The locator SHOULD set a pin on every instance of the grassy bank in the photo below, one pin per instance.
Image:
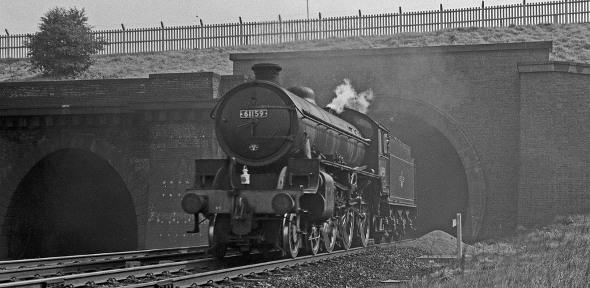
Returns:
(571, 43)
(554, 256)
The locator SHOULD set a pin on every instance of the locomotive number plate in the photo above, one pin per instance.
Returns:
(253, 113)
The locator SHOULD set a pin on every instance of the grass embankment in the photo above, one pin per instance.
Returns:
(571, 43)
(555, 256)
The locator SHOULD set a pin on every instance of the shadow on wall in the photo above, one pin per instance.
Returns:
(70, 202)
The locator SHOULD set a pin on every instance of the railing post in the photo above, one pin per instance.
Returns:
(322, 33)
(124, 42)
(201, 40)
(8, 48)
(280, 29)
(162, 36)
(440, 18)
(241, 32)
(483, 14)
(524, 16)
(358, 24)
(567, 14)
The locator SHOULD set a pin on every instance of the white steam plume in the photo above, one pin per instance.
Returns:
(347, 97)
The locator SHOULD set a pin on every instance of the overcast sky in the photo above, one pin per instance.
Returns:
(22, 16)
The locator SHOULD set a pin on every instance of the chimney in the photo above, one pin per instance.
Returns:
(267, 72)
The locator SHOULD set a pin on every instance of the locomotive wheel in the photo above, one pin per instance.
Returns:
(217, 247)
(291, 237)
(347, 229)
(313, 240)
(329, 234)
(363, 229)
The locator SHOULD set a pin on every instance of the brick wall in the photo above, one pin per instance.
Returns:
(87, 94)
(555, 141)
(151, 131)
(174, 145)
(519, 131)
(475, 88)
(183, 86)
(112, 138)
(51, 94)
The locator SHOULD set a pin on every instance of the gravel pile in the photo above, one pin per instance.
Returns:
(437, 243)
(367, 269)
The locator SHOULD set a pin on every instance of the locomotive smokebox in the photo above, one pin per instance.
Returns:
(267, 72)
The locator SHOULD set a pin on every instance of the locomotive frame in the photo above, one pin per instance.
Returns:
(317, 181)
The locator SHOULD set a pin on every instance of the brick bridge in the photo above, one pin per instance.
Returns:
(498, 132)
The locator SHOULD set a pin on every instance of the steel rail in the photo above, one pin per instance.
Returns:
(243, 271)
(11, 264)
(175, 274)
(82, 279)
(43, 267)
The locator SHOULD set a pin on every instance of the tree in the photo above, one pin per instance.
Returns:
(65, 43)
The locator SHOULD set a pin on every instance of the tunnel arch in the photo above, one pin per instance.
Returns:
(29, 155)
(70, 202)
(427, 115)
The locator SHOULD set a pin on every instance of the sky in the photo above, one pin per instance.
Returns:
(23, 16)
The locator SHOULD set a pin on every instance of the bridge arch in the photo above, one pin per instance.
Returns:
(437, 137)
(100, 168)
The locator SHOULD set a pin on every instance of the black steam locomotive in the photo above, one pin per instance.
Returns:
(298, 175)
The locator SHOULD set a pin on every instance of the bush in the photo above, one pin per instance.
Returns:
(65, 43)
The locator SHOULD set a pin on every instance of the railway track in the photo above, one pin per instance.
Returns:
(179, 274)
(245, 272)
(27, 269)
(122, 276)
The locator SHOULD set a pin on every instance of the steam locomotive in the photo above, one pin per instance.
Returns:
(299, 177)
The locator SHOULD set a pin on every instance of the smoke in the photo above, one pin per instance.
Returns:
(347, 97)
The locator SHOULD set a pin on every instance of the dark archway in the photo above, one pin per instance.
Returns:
(71, 202)
(444, 151)
(440, 179)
